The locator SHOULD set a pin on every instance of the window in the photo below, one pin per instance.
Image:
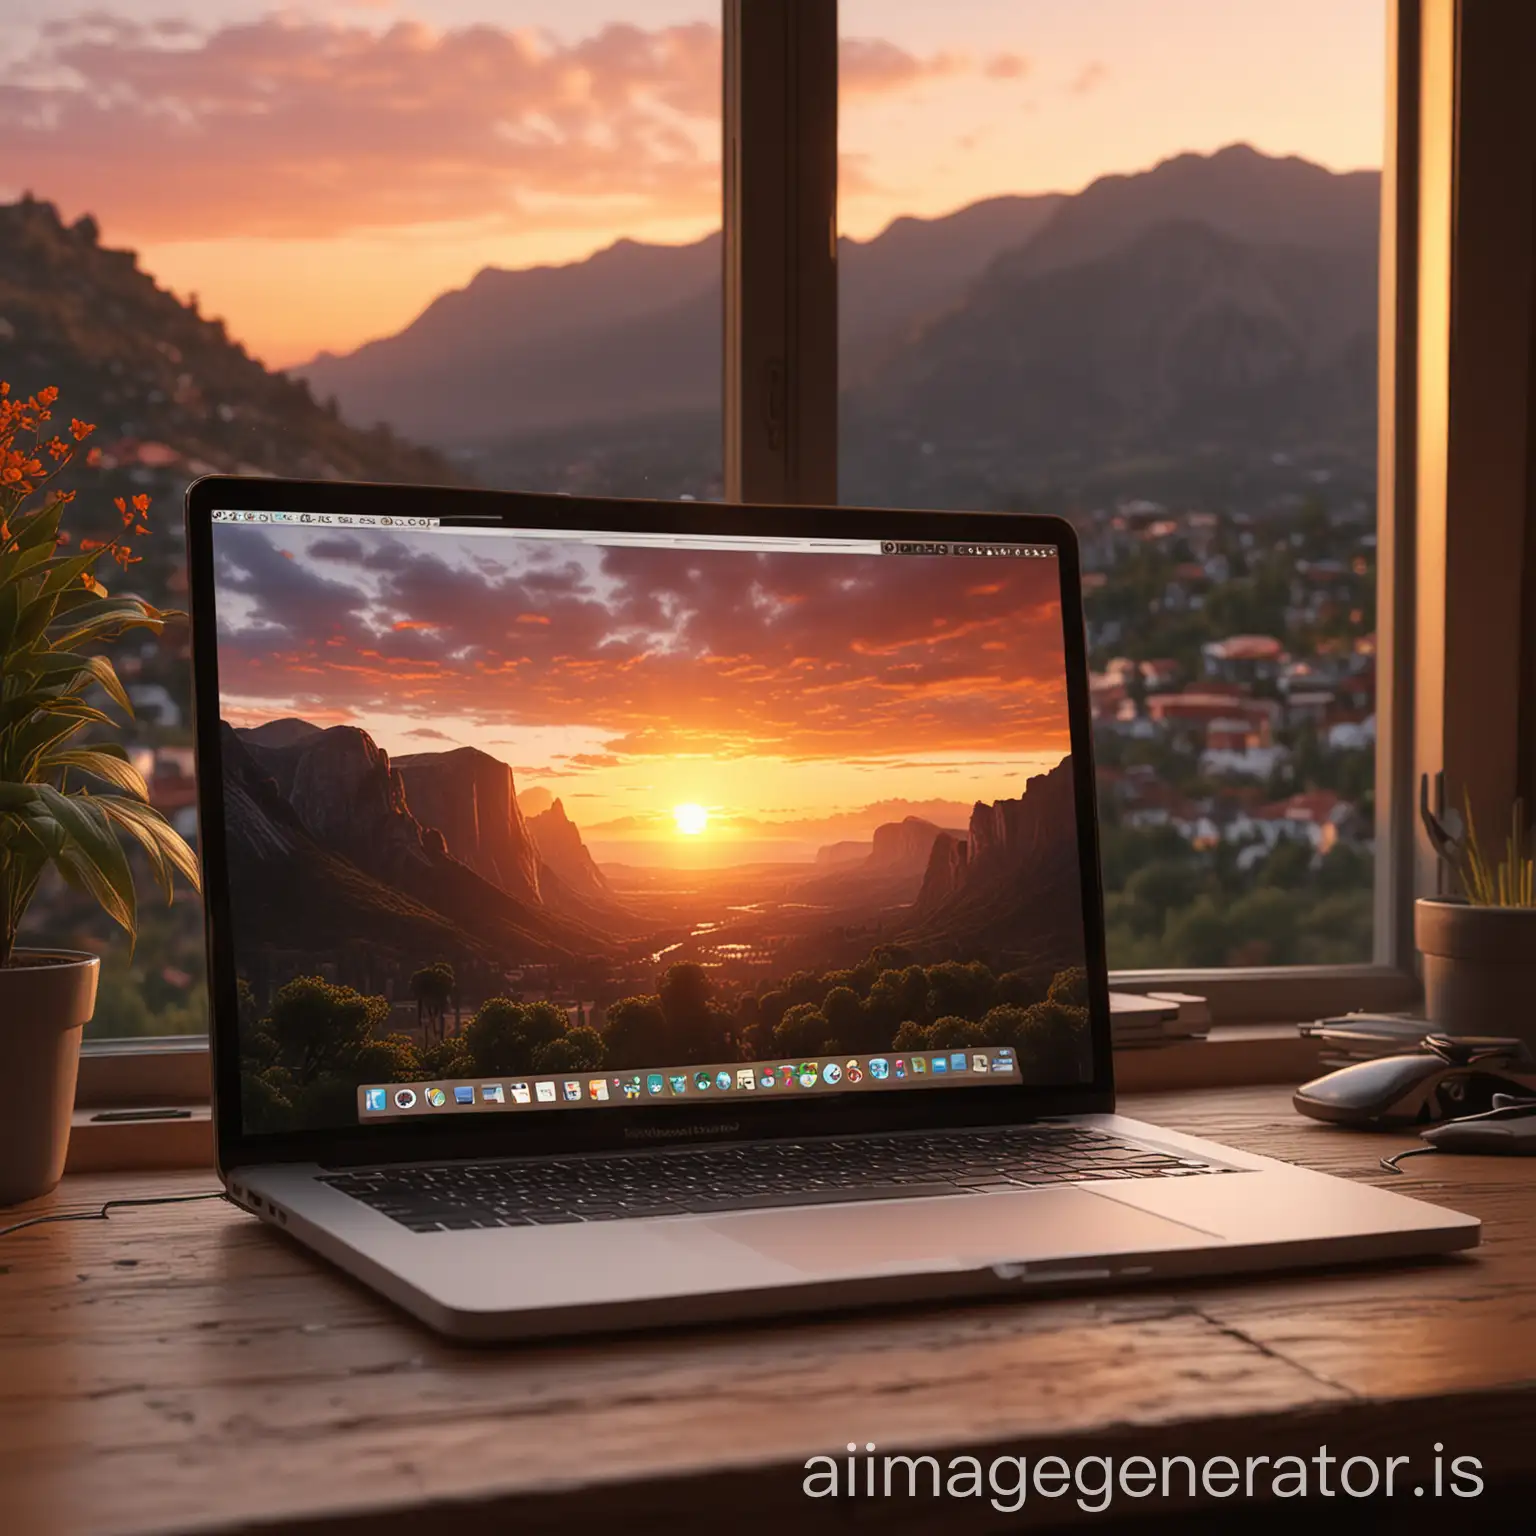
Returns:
(1118, 261)
(352, 239)
(442, 240)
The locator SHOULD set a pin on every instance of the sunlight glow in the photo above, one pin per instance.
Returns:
(691, 819)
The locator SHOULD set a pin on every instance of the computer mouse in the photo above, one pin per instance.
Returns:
(1397, 1091)
(1507, 1131)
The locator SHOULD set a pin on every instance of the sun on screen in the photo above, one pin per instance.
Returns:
(691, 819)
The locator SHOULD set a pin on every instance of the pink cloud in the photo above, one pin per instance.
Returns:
(1089, 78)
(1007, 66)
(287, 127)
(290, 127)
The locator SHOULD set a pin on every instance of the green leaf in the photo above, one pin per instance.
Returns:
(41, 529)
(104, 626)
(21, 748)
(36, 616)
(10, 611)
(71, 665)
(15, 563)
(115, 770)
(98, 858)
(16, 798)
(147, 824)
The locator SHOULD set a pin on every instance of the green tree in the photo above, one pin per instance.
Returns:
(578, 1050)
(847, 1022)
(1052, 1043)
(897, 995)
(952, 1032)
(433, 988)
(803, 1031)
(965, 990)
(503, 1036)
(317, 1027)
(636, 1034)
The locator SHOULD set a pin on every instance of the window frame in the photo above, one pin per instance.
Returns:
(1451, 268)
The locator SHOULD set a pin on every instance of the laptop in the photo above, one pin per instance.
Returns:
(627, 913)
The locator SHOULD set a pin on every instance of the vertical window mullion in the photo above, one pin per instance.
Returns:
(780, 250)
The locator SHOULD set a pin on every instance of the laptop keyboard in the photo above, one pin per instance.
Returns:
(545, 1192)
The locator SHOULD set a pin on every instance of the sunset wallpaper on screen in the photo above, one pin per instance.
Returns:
(502, 805)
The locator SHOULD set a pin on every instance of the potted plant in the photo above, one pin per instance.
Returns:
(1479, 942)
(70, 801)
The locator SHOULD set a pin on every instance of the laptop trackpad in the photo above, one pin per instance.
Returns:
(954, 1232)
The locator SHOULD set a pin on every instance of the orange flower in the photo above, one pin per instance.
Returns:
(89, 544)
(81, 429)
(141, 504)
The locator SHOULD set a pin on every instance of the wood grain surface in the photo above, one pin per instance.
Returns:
(185, 1369)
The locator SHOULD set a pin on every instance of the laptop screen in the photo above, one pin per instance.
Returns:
(524, 822)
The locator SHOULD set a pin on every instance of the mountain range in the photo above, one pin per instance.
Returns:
(333, 845)
(1216, 304)
(1011, 885)
(172, 393)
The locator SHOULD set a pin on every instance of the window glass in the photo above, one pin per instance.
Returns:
(1117, 260)
(419, 240)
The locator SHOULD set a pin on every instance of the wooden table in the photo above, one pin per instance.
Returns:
(184, 1369)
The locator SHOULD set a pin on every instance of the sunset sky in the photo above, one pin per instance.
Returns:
(791, 697)
(318, 172)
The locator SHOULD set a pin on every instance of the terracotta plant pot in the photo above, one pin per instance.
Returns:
(1479, 967)
(47, 997)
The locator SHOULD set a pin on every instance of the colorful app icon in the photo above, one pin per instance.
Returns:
(678, 1084)
(655, 1082)
(519, 1093)
(464, 1095)
(746, 1079)
(787, 1076)
(1002, 1064)
(767, 1079)
(375, 1099)
(919, 1065)
(957, 1061)
(572, 1090)
(831, 1073)
(598, 1089)
(941, 1063)
(722, 1080)
(879, 1067)
(545, 1092)
(631, 1087)
(490, 1093)
(436, 1097)
(979, 1062)
(701, 1081)
(853, 1072)
(808, 1075)
(899, 1068)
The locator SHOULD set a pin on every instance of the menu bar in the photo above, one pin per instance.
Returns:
(974, 1066)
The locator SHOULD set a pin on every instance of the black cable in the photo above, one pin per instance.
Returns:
(1390, 1163)
(111, 1205)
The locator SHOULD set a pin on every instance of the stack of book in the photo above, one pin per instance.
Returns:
(1141, 1021)
(1350, 1037)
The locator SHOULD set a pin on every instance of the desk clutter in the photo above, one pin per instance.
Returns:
(1141, 1022)
(1483, 1085)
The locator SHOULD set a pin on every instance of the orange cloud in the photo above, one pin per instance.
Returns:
(290, 127)
(740, 655)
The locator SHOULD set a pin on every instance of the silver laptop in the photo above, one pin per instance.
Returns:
(625, 913)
